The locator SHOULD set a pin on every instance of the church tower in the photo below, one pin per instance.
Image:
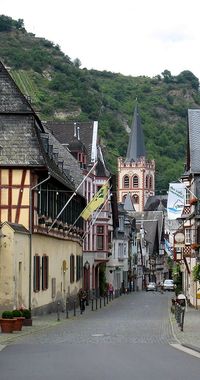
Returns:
(136, 174)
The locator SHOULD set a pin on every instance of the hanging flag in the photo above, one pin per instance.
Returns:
(176, 200)
(96, 202)
(168, 248)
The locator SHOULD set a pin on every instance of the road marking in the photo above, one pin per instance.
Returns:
(185, 349)
(97, 334)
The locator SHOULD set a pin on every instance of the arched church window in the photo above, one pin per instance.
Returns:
(126, 181)
(147, 182)
(150, 182)
(135, 199)
(124, 198)
(135, 181)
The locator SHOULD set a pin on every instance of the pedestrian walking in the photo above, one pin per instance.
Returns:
(82, 299)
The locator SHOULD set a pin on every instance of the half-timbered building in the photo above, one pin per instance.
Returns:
(40, 252)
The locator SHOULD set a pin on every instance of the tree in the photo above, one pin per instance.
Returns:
(187, 76)
(5, 23)
(77, 63)
(167, 76)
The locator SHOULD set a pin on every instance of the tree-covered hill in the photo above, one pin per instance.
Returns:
(59, 89)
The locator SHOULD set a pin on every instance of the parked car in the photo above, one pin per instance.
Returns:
(168, 285)
(151, 286)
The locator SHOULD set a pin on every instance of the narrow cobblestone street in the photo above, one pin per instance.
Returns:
(137, 317)
(131, 337)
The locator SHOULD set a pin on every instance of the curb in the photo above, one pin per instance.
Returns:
(191, 347)
(186, 345)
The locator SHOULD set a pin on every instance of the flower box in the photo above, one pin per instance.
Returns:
(7, 325)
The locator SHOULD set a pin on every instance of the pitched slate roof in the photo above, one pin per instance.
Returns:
(193, 152)
(136, 147)
(12, 101)
(17, 227)
(156, 203)
(128, 204)
(18, 141)
(68, 133)
(83, 135)
(152, 222)
(22, 141)
(65, 159)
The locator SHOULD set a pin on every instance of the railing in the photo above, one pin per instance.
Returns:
(74, 306)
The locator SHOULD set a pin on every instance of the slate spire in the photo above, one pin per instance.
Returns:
(136, 147)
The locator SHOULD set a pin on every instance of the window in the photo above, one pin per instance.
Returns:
(135, 181)
(187, 236)
(72, 268)
(187, 197)
(126, 181)
(121, 251)
(150, 182)
(198, 234)
(100, 237)
(135, 199)
(36, 274)
(124, 198)
(147, 181)
(121, 224)
(45, 272)
(78, 267)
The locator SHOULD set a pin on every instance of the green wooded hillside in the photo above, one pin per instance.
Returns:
(60, 89)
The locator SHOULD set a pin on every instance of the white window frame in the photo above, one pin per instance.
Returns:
(187, 236)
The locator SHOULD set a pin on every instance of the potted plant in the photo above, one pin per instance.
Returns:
(17, 314)
(195, 245)
(193, 201)
(7, 322)
(26, 313)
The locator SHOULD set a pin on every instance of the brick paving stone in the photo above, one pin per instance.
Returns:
(139, 317)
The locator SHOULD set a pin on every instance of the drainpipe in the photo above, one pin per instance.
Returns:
(30, 233)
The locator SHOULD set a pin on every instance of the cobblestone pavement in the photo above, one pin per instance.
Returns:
(134, 318)
(190, 336)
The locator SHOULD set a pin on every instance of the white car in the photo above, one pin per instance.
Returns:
(151, 286)
(168, 285)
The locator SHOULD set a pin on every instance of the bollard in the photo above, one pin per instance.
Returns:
(107, 298)
(58, 311)
(74, 308)
(104, 300)
(100, 302)
(96, 303)
(182, 318)
(92, 305)
(67, 309)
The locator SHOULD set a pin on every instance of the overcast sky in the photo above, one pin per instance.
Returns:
(133, 37)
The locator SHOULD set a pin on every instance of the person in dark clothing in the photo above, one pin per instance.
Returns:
(82, 299)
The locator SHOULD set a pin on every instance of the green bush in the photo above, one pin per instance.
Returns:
(26, 313)
(16, 313)
(196, 272)
(7, 314)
